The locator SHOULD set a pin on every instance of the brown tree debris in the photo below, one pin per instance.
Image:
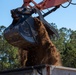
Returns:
(44, 53)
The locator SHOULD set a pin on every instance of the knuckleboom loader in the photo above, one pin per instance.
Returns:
(22, 30)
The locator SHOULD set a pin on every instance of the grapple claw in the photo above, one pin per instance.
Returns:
(22, 34)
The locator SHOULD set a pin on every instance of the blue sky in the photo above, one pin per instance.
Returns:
(63, 17)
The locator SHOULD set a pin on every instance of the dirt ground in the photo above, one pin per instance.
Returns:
(44, 53)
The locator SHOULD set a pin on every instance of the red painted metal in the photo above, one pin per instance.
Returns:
(51, 3)
(45, 3)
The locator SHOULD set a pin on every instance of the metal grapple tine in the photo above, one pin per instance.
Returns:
(50, 29)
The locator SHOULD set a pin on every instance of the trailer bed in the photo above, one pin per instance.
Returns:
(41, 70)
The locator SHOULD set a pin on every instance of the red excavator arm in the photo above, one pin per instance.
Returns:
(45, 3)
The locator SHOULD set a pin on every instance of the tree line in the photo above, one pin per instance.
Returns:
(66, 44)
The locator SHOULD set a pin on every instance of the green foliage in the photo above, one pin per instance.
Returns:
(66, 44)
(8, 53)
